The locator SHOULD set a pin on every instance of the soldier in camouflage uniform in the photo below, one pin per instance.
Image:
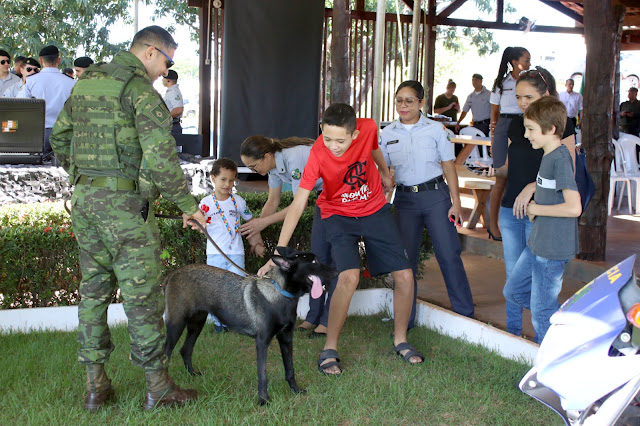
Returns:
(113, 138)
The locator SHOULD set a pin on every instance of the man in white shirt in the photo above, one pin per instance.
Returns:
(7, 78)
(572, 100)
(173, 99)
(478, 103)
(52, 86)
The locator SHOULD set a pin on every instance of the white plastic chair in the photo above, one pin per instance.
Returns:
(627, 146)
(617, 175)
(474, 157)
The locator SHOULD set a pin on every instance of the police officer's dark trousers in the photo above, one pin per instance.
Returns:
(429, 208)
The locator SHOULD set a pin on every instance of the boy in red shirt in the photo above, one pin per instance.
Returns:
(353, 205)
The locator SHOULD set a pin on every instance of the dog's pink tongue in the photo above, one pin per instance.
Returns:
(316, 288)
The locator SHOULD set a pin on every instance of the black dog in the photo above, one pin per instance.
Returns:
(257, 307)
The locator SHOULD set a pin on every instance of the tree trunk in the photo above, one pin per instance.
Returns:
(340, 87)
(603, 23)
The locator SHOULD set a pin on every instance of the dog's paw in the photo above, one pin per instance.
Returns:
(263, 401)
(298, 390)
(194, 372)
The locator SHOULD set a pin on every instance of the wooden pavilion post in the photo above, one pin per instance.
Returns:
(430, 54)
(603, 23)
(415, 40)
(376, 93)
(340, 74)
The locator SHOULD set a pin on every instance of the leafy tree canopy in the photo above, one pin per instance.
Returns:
(179, 12)
(79, 27)
(30, 25)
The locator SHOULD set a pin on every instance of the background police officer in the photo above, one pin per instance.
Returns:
(53, 87)
(122, 157)
(173, 99)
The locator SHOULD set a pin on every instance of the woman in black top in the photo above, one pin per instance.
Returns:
(521, 171)
(447, 103)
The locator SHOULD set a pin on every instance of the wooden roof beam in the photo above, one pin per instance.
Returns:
(507, 26)
(564, 10)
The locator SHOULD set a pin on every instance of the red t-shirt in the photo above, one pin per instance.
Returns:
(351, 183)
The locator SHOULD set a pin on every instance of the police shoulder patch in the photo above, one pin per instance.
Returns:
(296, 174)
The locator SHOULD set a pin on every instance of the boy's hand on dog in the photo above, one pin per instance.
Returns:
(266, 268)
(198, 216)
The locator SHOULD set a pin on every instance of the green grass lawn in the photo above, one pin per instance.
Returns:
(459, 384)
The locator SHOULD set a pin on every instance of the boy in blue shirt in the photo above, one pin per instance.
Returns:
(536, 279)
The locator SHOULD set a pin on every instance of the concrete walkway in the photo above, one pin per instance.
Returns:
(483, 263)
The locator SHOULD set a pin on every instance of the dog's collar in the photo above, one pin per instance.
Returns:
(285, 293)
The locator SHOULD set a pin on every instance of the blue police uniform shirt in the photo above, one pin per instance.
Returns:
(9, 82)
(506, 99)
(13, 91)
(173, 99)
(478, 103)
(52, 86)
(290, 164)
(416, 154)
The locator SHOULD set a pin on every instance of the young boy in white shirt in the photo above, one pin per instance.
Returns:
(223, 211)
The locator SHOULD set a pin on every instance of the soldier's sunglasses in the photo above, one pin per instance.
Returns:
(29, 69)
(5, 61)
(169, 60)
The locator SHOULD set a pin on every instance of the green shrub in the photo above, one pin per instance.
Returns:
(39, 254)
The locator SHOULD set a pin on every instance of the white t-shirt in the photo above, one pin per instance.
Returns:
(230, 243)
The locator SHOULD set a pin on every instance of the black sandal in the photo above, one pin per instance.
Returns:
(325, 355)
(410, 353)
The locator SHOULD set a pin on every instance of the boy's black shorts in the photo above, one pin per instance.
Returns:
(385, 252)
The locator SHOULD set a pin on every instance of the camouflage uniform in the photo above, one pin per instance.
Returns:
(113, 138)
